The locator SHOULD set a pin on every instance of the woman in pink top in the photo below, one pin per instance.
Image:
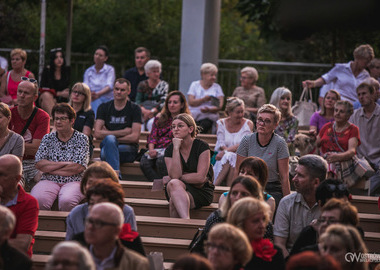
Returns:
(11, 79)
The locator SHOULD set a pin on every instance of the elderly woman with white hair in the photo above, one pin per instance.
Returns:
(206, 98)
(252, 95)
(288, 126)
(70, 255)
(151, 93)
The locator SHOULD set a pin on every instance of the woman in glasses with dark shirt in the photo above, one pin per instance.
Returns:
(55, 81)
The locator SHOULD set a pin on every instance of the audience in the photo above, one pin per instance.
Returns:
(63, 156)
(151, 93)
(70, 255)
(326, 114)
(10, 142)
(10, 257)
(271, 148)
(339, 139)
(367, 119)
(206, 98)
(228, 247)
(252, 95)
(55, 81)
(23, 205)
(189, 183)
(152, 163)
(11, 79)
(80, 100)
(100, 78)
(288, 126)
(252, 216)
(347, 77)
(32, 124)
(298, 209)
(374, 68)
(376, 95)
(230, 130)
(137, 74)
(339, 240)
(103, 226)
(118, 125)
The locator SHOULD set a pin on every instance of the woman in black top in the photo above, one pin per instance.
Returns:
(80, 100)
(189, 184)
(55, 81)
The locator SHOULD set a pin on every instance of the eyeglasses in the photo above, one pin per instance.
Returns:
(98, 224)
(78, 93)
(222, 249)
(63, 118)
(265, 122)
(340, 187)
(173, 127)
(29, 79)
(328, 221)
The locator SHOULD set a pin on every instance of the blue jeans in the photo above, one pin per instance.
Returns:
(115, 153)
(96, 103)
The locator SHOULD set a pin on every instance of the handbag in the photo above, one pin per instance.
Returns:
(304, 108)
(353, 170)
(197, 244)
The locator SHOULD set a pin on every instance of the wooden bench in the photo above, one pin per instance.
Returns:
(170, 247)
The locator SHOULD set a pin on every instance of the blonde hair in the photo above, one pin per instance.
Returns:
(251, 72)
(208, 68)
(80, 86)
(189, 121)
(323, 109)
(21, 52)
(4, 109)
(364, 51)
(232, 103)
(235, 238)
(269, 108)
(246, 207)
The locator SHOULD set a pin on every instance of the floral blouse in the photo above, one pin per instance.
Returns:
(161, 137)
(288, 129)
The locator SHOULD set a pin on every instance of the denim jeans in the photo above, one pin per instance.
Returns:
(153, 168)
(115, 153)
(96, 103)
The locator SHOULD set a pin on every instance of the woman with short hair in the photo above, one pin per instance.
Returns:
(151, 93)
(206, 98)
(62, 156)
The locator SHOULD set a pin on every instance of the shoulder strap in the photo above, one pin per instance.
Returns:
(336, 139)
(29, 121)
(6, 88)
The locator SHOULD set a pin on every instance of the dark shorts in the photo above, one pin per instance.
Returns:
(202, 196)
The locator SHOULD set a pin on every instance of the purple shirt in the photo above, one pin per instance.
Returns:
(319, 121)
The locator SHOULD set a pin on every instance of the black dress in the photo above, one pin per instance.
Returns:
(48, 81)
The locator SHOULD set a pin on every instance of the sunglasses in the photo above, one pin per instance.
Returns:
(29, 79)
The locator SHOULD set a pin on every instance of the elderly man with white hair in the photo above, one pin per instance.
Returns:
(70, 255)
(103, 225)
(10, 258)
(23, 205)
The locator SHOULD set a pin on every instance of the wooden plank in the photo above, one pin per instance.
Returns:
(366, 204)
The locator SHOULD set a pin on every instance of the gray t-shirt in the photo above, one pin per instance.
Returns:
(270, 153)
(14, 145)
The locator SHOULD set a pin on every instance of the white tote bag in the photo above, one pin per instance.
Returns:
(304, 108)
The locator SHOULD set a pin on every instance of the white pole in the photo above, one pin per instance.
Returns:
(42, 39)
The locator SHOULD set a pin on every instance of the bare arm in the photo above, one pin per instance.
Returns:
(196, 102)
(48, 166)
(281, 243)
(31, 148)
(3, 85)
(100, 131)
(133, 136)
(283, 168)
(174, 164)
(312, 84)
(21, 242)
(239, 160)
(64, 168)
(336, 157)
(70, 169)
(200, 176)
(87, 131)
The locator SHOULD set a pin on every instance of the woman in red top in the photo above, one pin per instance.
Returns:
(11, 79)
(339, 139)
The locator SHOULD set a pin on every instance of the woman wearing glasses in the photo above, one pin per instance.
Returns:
(62, 156)
(11, 79)
(270, 147)
(80, 100)
(55, 81)
(189, 183)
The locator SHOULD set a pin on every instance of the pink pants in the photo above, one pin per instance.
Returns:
(46, 192)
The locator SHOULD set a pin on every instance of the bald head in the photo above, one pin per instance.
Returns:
(12, 163)
(110, 211)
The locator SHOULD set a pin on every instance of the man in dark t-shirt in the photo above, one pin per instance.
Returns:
(137, 74)
(118, 125)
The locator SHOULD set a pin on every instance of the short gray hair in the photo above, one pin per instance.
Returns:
(315, 165)
(86, 261)
(8, 220)
(232, 103)
(347, 104)
(208, 68)
(152, 64)
(269, 108)
(251, 72)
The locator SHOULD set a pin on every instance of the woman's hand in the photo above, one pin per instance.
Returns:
(219, 155)
(152, 153)
(332, 157)
(205, 109)
(206, 98)
(94, 96)
(177, 143)
(166, 179)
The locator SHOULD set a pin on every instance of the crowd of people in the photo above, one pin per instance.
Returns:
(260, 223)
